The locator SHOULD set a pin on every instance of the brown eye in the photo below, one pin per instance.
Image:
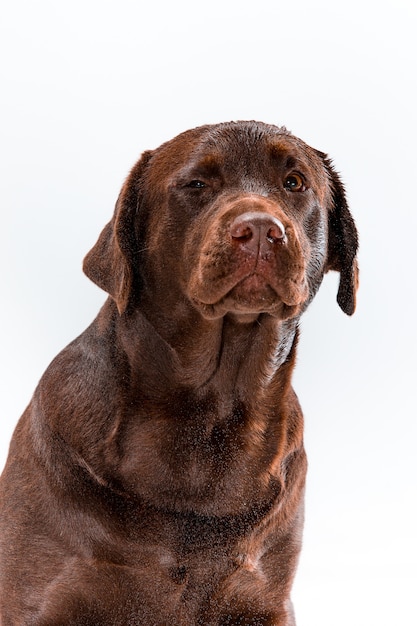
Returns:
(196, 184)
(294, 182)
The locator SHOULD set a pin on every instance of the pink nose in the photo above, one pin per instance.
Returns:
(257, 230)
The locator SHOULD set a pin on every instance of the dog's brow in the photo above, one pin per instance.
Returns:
(210, 160)
(279, 148)
(209, 163)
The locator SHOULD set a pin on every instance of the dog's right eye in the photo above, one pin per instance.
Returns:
(196, 184)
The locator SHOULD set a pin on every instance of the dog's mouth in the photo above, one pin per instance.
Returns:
(253, 295)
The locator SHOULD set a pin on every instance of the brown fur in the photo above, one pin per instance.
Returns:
(157, 476)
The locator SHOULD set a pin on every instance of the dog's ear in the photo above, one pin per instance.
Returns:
(111, 263)
(342, 242)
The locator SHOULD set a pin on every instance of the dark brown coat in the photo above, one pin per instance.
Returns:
(157, 476)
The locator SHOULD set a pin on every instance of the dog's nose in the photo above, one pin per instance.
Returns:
(256, 230)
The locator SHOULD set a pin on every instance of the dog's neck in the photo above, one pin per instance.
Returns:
(225, 355)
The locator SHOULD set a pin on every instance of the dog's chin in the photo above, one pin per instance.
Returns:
(247, 300)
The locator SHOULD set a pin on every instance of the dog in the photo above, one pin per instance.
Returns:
(157, 476)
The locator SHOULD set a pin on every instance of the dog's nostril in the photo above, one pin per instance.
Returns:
(241, 230)
(276, 233)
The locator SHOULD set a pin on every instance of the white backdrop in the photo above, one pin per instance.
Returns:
(86, 86)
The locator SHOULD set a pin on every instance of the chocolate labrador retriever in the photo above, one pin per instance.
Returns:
(157, 476)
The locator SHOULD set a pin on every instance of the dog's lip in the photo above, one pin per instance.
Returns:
(253, 289)
(260, 295)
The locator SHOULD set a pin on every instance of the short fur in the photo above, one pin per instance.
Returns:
(157, 476)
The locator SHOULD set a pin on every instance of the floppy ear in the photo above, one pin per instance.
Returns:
(342, 243)
(111, 263)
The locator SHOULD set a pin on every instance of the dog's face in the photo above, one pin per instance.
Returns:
(240, 218)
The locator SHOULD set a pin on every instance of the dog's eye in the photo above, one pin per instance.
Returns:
(294, 182)
(196, 184)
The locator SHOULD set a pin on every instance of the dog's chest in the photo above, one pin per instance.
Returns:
(189, 561)
(193, 456)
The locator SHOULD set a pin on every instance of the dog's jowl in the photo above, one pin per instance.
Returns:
(157, 476)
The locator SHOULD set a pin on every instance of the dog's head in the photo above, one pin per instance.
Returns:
(239, 218)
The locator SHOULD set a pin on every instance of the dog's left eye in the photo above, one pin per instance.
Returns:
(196, 184)
(294, 182)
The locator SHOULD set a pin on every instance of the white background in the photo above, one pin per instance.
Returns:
(86, 86)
